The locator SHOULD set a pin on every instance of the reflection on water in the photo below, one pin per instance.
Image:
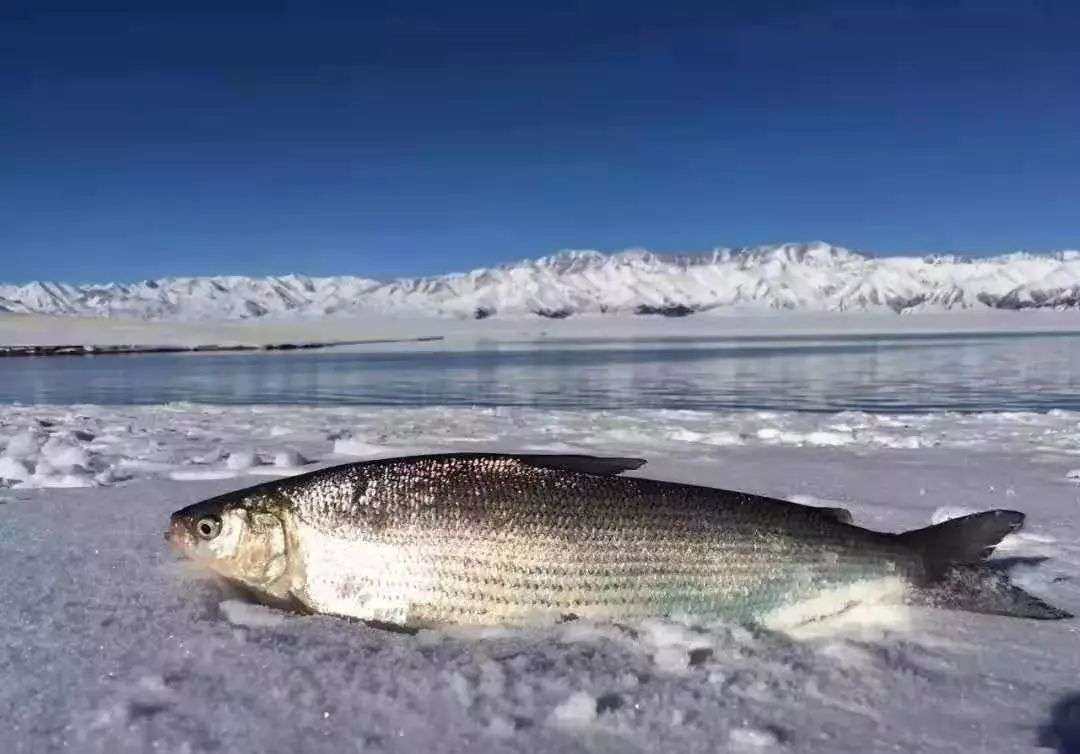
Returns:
(869, 373)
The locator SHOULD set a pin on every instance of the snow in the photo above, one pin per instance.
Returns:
(752, 738)
(241, 460)
(351, 446)
(241, 613)
(112, 645)
(792, 276)
(738, 327)
(288, 458)
(578, 711)
(44, 446)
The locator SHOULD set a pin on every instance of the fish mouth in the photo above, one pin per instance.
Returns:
(178, 537)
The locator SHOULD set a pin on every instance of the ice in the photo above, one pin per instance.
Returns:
(183, 475)
(111, 646)
(241, 460)
(69, 479)
(199, 442)
(578, 711)
(707, 438)
(350, 446)
(241, 613)
(22, 445)
(289, 458)
(12, 469)
(752, 738)
(63, 455)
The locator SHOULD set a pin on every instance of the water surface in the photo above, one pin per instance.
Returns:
(871, 373)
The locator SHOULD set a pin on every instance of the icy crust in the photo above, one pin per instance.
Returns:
(83, 446)
(111, 645)
(803, 276)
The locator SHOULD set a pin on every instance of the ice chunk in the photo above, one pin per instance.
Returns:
(64, 455)
(826, 438)
(577, 711)
(13, 469)
(52, 479)
(22, 446)
(288, 458)
(752, 738)
(350, 446)
(499, 727)
(240, 460)
(241, 613)
(212, 456)
(202, 474)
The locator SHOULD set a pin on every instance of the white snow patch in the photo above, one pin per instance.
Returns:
(194, 442)
(577, 711)
(752, 738)
(13, 469)
(350, 446)
(191, 475)
(22, 445)
(289, 458)
(241, 613)
(242, 460)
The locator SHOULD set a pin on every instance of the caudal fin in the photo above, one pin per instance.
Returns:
(957, 578)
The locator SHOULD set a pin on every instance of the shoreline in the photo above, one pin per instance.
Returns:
(36, 335)
(126, 350)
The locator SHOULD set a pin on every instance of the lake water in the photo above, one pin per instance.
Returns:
(881, 374)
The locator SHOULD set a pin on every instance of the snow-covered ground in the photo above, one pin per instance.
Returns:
(111, 645)
(793, 276)
(46, 330)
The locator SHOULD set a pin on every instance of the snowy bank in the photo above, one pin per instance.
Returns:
(111, 645)
(45, 330)
(65, 446)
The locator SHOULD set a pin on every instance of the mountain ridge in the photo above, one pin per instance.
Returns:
(814, 276)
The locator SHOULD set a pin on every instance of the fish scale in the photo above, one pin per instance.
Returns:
(499, 539)
(516, 539)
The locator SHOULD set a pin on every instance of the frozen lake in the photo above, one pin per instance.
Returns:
(868, 373)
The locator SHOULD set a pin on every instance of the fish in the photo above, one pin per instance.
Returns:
(526, 539)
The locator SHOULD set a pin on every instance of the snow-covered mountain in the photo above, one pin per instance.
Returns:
(796, 276)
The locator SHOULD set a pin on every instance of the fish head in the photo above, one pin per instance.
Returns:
(240, 536)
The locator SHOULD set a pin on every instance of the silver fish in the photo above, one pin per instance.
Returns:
(477, 538)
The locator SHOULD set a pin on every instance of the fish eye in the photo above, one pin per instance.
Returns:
(208, 527)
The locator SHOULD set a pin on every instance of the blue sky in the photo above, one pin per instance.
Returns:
(403, 138)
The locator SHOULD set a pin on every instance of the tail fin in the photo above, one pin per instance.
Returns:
(956, 576)
(968, 539)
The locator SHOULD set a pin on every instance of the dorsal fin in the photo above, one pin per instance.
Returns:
(599, 465)
(843, 515)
